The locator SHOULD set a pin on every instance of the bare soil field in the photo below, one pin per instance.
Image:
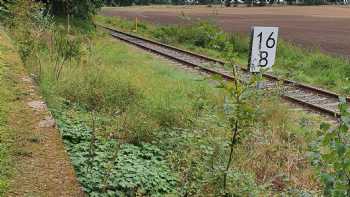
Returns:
(323, 27)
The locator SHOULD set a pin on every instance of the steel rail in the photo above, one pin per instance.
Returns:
(318, 99)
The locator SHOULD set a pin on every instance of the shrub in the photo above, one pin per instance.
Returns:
(29, 27)
(80, 9)
(330, 155)
(201, 34)
(241, 107)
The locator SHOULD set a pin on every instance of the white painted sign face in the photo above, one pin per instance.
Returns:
(263, 51)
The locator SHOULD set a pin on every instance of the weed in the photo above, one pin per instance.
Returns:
(152, 103)
(330, 154)
(29, 25)
(66, 49)
(131, 170)
(155, 130)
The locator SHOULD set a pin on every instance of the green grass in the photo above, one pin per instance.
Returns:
(135, 125)
(140, 100)
(4, 157)
(6, 98)
(150, 98)
(308, 66)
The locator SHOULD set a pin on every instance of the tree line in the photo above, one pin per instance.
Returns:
(78, 8)
(149, 2)
(86, 8)
(226, 3)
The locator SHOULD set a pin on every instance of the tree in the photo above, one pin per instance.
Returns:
(77, 8)
(109, 2)
(178, 2)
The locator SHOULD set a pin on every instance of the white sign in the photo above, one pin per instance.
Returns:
(263, 48)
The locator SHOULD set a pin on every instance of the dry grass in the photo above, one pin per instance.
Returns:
(276, 151)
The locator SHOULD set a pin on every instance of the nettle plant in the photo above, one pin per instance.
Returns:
(330, 154)
(241, 108)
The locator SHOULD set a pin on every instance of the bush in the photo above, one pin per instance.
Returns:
(330, 155)
(83, 9)
(201, 34)
(30, 27)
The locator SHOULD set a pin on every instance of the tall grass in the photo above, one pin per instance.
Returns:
(120, 81)
(139, 99)
(205, 37)
(134, 125)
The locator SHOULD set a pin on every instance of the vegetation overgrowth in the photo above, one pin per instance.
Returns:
(205, 37)
(8, 106)
(330, 155)
(136, 126)
(157, 118)
(5, 99)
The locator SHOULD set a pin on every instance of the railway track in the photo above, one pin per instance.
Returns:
(323, 101)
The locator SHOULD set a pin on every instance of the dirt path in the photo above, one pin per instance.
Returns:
(42, 167)
(324, 27)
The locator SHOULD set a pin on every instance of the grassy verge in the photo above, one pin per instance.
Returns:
(292, 62)
(7, 103)
(136, 126)
(122, 112)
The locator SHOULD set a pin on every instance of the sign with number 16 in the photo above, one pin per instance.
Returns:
(263, 48)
